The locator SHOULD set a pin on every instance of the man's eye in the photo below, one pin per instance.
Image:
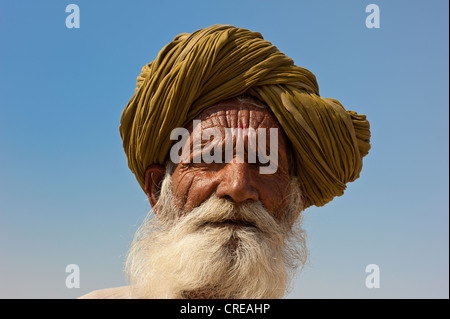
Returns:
(261, 164)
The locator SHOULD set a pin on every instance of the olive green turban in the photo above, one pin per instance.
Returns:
(197, 70)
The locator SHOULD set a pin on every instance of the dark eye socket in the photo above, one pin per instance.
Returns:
(197, 160)
(260, 164)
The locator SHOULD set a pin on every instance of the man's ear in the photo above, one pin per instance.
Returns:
(153, 179)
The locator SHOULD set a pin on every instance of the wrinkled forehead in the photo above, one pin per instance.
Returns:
(238, 113)
(245, 127)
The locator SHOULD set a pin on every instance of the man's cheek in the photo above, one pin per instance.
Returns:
(189, 191)
(180, 189)
(275, 198)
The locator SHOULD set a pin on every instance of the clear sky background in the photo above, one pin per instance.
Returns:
(68, 197)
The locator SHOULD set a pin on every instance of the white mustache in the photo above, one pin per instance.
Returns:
(216, 212)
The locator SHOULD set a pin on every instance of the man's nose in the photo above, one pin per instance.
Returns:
(236, 183)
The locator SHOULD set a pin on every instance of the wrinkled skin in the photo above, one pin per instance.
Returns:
(193, 183)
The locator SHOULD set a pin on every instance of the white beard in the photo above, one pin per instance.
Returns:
(197, 255)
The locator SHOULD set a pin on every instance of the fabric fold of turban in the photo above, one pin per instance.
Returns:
(197, 70)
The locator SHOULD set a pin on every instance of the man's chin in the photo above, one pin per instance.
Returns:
(234, 259)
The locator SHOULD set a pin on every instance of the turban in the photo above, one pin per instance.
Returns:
(197, 70)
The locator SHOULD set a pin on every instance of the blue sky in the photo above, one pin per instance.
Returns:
(68, 197)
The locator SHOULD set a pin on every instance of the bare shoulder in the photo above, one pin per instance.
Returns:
(123, 292)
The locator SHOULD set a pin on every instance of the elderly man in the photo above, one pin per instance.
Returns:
(227, 216)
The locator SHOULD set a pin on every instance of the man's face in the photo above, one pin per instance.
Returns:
(223, 229)
(237, 181)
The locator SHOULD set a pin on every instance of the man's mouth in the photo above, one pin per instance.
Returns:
(230, 223)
